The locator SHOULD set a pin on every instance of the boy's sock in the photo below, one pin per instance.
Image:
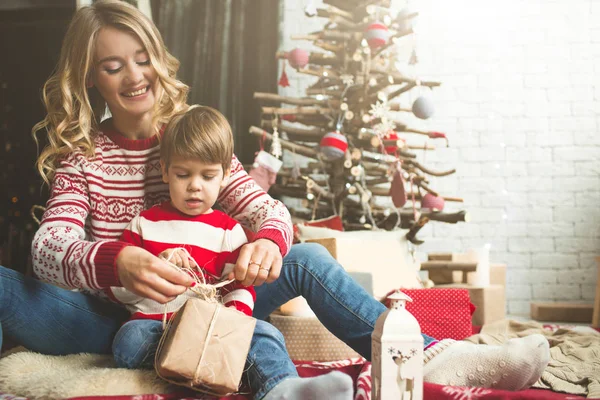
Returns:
(514, 365)
(332, 386)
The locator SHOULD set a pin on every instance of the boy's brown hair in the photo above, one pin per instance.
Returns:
(199, 132)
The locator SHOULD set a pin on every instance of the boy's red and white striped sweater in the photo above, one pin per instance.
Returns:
(213, 240)
(93, 199)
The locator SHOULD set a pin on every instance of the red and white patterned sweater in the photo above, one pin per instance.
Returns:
(213, 240)
(93, 200)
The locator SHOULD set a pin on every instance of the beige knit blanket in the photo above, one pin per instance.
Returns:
(574, 355)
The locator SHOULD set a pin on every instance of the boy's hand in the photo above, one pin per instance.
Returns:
(259, 262)
(178, 257)
(146, 275)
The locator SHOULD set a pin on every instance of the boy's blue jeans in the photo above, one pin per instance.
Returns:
(51, 320)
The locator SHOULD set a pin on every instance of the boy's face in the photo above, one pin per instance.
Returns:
(194, 185)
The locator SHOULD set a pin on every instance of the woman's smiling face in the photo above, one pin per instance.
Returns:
(123, 73)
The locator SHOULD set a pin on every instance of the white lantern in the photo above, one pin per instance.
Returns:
(397, 353)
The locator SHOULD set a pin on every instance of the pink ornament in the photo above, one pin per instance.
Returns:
(298, 58)
(377, 35)
(434, 203)
(333, 145)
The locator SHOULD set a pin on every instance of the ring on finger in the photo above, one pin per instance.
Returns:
(254, 263)
(264, 269)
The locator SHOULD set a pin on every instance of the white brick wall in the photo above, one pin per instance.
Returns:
(520, 102)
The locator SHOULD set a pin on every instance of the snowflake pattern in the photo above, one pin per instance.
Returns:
(465, 393)
(347, 79)
(384, 128)
(68, 247)
(380, 109)
(395, 353)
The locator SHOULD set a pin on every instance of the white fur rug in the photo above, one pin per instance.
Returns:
(39, 376)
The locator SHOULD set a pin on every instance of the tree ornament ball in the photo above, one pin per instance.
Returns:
(333, 146)
(423, 107)
(404, 22)
(298, 58)
(393, 148)
(377, 35)
(432, 202)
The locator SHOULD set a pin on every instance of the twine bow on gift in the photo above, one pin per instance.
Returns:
(203, 290)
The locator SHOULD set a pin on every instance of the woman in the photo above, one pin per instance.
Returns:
(103, 173)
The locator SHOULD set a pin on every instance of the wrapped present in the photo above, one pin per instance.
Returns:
(385, 255)
(442, 313)
(204, 347)
(489, 302)
(306, 339)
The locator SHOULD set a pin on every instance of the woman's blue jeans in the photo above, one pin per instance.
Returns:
(50, 320)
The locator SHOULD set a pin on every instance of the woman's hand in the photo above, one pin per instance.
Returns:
(179, 257)
(259, 262)
(146, 275)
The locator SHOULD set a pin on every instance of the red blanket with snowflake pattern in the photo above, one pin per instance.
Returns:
(360, 371)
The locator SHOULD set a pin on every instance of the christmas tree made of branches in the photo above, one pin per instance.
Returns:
(350, 126)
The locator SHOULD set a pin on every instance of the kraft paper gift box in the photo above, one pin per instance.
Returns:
(306, 339)
(444, 276)
(383, 254)
(205, 347)
(490, 302)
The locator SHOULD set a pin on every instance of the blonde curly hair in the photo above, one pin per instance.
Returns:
(74, 111)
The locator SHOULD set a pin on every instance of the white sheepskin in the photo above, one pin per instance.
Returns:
(44, 377)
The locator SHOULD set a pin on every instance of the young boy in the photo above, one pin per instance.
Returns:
(195, 153)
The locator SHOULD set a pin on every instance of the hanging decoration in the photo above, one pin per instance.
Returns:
(433, 202)
(333, 145)
(393, 148)
(414, 58)
(381, 111)
(376, 35)
(276, 144)
(397, 189)
(265, 167)
(404, 19)
(423, 107)
(298, 58)
(283, 79)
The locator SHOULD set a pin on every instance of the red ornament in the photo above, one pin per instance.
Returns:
(333, 145)
(298, 58)
(397, 189)
(434, 203)
(393, 148)
(377, 35)
(439, 135)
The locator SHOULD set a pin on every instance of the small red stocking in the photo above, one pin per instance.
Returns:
(264, 170)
